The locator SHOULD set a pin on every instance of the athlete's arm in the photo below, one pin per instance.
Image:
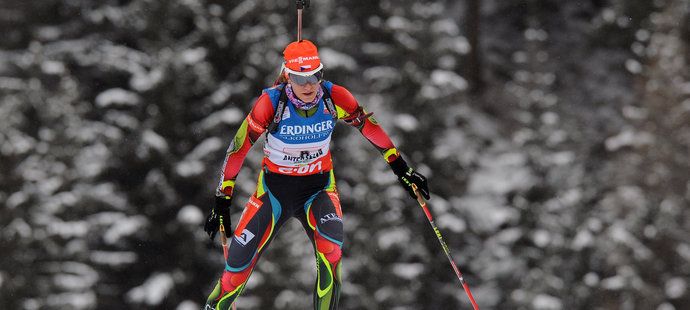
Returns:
(352, 113)
(249, 132)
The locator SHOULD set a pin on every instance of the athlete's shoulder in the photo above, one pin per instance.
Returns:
(343, 98)
(262, 112)
(273, 92)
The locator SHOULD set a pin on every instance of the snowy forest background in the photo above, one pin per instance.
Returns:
(557, 151)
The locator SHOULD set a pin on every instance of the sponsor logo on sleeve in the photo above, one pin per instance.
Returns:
(330, 217)
(244, 237)
(254, 202)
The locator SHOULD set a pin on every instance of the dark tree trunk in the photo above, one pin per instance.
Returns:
(474, 63)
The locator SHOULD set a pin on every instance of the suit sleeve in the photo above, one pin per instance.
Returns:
(355, 115)
(249, 132)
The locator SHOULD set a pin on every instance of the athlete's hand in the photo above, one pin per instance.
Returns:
(219, 214)
(408, 176)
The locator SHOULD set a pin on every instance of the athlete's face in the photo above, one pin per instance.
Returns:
(306, 92)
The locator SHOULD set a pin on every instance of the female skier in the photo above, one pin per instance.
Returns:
(297, 177)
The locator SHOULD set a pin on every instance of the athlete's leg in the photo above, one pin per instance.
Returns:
(260, 220)
(324, 226)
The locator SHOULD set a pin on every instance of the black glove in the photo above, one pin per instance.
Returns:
(408, 176)
(219, 214)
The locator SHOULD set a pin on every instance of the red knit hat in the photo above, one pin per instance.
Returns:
(302, 58)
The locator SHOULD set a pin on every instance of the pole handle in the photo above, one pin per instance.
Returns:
(223, 237)
(302, 4)
(224, 240)
(422, 202)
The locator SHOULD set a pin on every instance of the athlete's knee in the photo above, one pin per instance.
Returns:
(329, 249)
(232, 280)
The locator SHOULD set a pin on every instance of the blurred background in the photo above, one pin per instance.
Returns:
(555, 135)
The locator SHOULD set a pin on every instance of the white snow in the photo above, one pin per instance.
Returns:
(620, 233)
(546, 302)
(155, 141)
(392, 236)
(455, 146)
(408, 271)
(231, 116)
(406, 40)
(190, 215)
(19, 227)
(502, 173)
(684, 251)
(633, 66)
(630, 138)
(335, 32)
(124, 227)
(143, 80)
(222, 93)
(241, 10)
(675, 287)
(560, 158)
(9, 83)
(615, 283)
(451, 222)
(378, 49)
(52, 67)
(67, 230)
(73, 275)
(508, 236)
(446, 26)
(532, 34)
(113, 258)
(117, 96)
(541, 238)
(207, 147)
(284, 299)
(153, 291)
(406, 122)
(487, 213)
(582, 239)
(121, 119)
(188, 305)
(105, 192)
(193, 55)
(335, 59)
(16, 199)
(72, 300)
(457, 45)
(591, 279)
(18, 143)
(448, 80)
(92, 160)
(398, 23)
(381, 77)
(666, 306)
(189, 168)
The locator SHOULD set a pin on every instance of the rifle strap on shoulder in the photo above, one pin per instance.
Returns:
(280, 108)
(329, 102)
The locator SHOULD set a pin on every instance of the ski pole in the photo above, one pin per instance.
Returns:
(301, 4)
(425, 207)
(224, 243)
